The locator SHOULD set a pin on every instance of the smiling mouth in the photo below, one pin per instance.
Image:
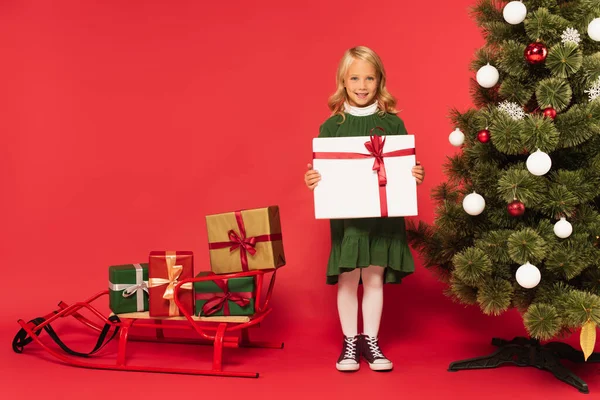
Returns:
(362, 95)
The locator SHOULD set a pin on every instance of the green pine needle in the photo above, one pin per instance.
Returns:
(565, 260)
(516, 91)
(564, 60)
(579, 306)
(456, 168)
(494, 296)
(539, 133)
(591, 68)
(575, 126)
(494, 244)
(578, 187)
(445, 192)
(591, 281)
(512, 61)
(553, 92)
(471, 265)
(543, 25)
(526, 246)
(483, 56)
(461, 292)
(542, 321)
(506, 133)
(517, 182)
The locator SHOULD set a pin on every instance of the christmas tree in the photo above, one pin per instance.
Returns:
(517, 222)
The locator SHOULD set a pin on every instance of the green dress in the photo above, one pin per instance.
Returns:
(358, 243)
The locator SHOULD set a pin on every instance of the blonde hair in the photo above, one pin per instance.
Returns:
(385, 101)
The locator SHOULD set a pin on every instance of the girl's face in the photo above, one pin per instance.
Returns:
(361, 83)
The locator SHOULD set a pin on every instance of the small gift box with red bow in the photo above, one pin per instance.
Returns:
(165, 270)
(365, 177)
(220, 297)
(245, 240)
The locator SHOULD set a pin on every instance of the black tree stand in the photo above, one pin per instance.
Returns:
(526, 352)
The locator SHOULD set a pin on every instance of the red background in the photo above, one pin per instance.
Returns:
(124, 123)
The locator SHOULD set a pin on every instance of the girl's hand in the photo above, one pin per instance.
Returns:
(418, 172)
(311, 177)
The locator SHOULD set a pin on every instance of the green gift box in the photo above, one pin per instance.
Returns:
(234, 296)
(128, 288)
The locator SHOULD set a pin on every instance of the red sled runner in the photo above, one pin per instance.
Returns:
(211, 330)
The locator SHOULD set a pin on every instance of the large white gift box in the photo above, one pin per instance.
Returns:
(363, 177)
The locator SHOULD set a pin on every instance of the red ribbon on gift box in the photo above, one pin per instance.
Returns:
(245, 244)
(375, 147)
(217, 301)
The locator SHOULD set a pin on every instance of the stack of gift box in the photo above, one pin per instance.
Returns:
(239, 241)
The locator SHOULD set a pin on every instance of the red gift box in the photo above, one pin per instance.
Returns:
(165, 270)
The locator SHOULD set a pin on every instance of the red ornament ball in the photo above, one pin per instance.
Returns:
(483, 136)
(516, 208)
(536, 53)
(550, 112)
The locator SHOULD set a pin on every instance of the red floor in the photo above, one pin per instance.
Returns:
(305, 367)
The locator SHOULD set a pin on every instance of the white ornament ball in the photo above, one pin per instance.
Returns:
(487, 76)
(528, 276)
(538, 163)
(594, 29)
(514, 12)
(563, 228)
(456, 138)
(473, 203)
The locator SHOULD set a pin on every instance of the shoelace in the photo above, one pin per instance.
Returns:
(374, 347)
(350, 347)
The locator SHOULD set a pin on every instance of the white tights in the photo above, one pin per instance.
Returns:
(372, 301)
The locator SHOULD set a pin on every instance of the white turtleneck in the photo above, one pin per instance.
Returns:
(360, 111)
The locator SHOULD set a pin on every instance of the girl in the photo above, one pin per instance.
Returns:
(371, 251)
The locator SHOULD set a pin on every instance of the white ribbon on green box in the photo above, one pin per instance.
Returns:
(129, 289)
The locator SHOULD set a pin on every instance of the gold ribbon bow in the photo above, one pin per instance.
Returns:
(173, 272)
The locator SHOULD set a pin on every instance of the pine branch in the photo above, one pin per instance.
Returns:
(516, 91)
(494, 244)
(542, 321)
(517, 182)
(575, 126)
(542, 25)
(461, 292)
(539, 132)
(564, 60)
(576, 184)
(511, 60)
(481, 96)
(487, 11)
(553, 92)
(526, 245)
(445, 192)
(494, 296)
(456, 169)
(579, 306)
(472, 265)
(507, 134)
(483, 56)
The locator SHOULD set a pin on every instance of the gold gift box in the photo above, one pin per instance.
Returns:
(245, 240)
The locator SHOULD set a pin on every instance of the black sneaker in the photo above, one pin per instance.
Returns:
(370, 350)
(350, 358)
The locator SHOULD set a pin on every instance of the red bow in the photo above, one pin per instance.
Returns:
(375, 147)
(217, 301)
(242, 241)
